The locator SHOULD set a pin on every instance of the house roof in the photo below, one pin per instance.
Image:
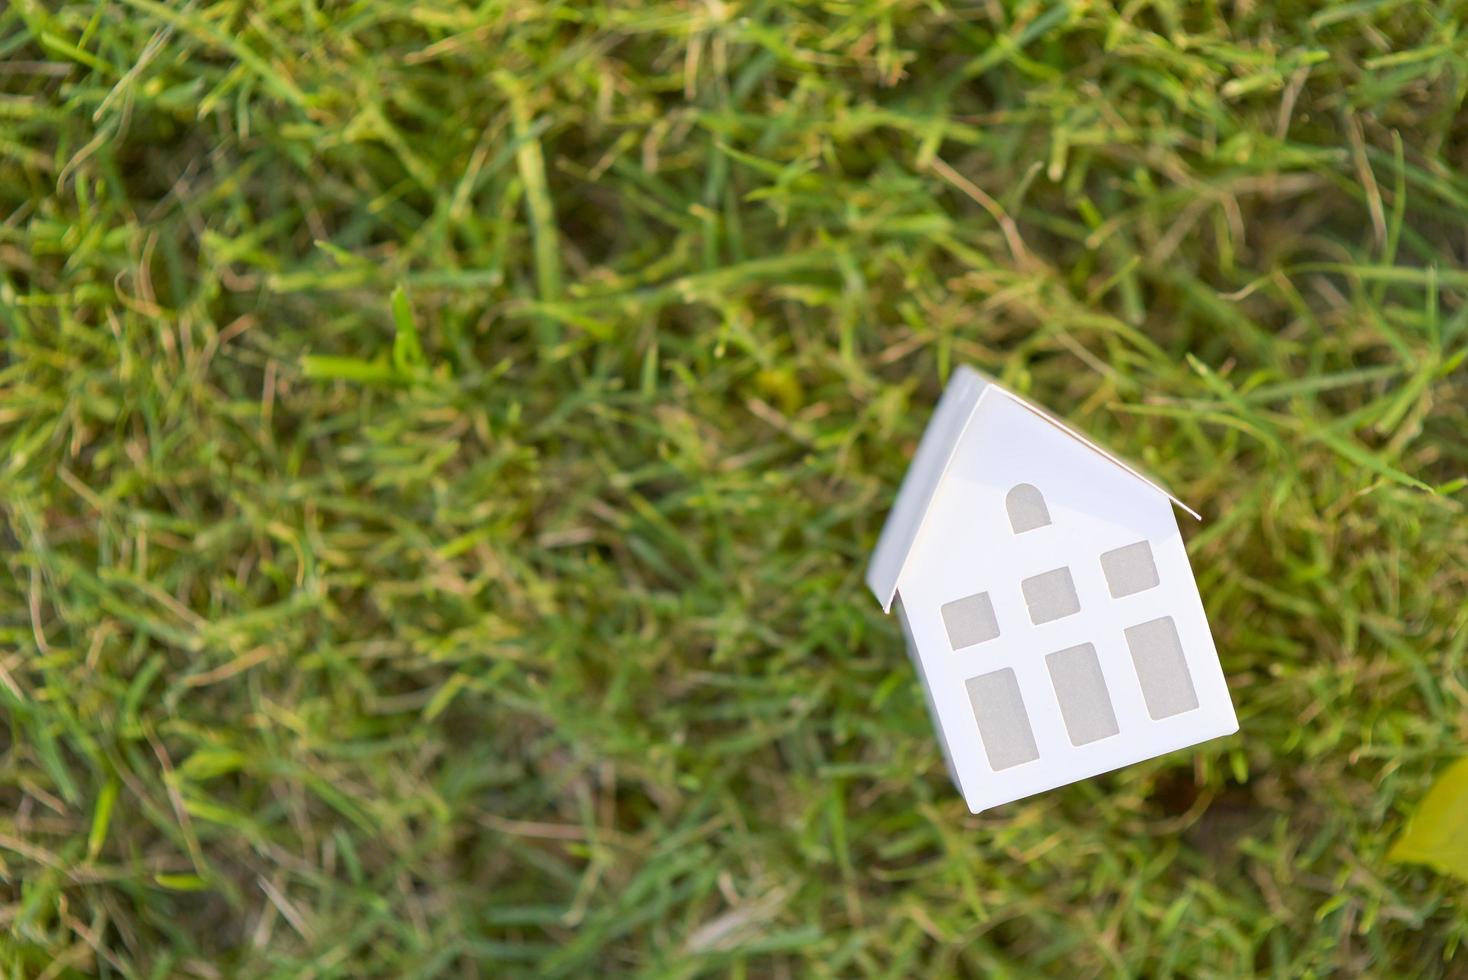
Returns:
(966, 391)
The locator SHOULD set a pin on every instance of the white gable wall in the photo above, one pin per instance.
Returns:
(966, 546)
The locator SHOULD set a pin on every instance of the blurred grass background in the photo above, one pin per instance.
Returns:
(440, 444)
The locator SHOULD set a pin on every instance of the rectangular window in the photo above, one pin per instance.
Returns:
(1157, 653)
(1004, 725)
(1080, 687)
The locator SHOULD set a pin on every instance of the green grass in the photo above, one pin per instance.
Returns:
(440, 445)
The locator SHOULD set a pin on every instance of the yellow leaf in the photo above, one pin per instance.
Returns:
(1437, 834)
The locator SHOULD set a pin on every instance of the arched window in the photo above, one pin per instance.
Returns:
(1026, 508)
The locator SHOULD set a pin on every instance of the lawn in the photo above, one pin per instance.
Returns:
(440, 445)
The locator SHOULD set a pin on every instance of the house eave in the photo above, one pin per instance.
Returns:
(924, 475)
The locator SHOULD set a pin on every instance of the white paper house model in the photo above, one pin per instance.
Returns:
(1046, 599)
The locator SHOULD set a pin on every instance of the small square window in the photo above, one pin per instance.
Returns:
(1051, 595)
(1130, 569)
(970, 620)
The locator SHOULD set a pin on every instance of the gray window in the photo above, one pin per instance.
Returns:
(1130, 569)
(1027, 510)
(970, 620)
(1080, 687)
(1157, 653)
(1050, 595)
(1004, 724)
